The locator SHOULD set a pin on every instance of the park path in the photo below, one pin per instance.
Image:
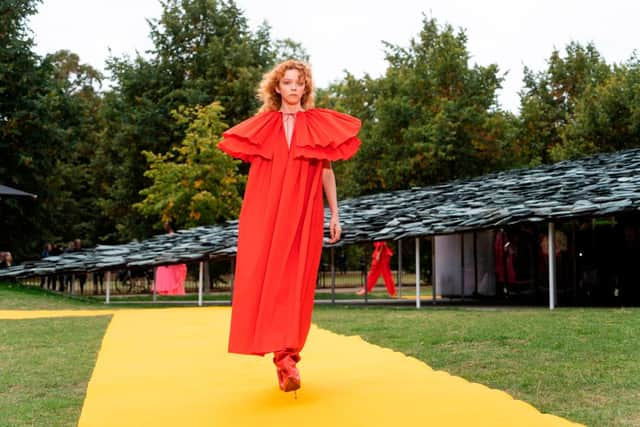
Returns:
(170, 367)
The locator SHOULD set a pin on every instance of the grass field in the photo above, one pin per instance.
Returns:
(578, 363)
(583, 364)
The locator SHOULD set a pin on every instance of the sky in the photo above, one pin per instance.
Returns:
(344, 35)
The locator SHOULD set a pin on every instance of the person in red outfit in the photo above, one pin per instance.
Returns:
(290, 145)
(380, 265)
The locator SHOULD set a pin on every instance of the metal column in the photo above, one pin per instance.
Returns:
(333, 277)
(417, 272)
(462, 266)
(200, 283)
(232, 277)
(400, 267)
(433, 269)
(475, 264)
(551, 239)
(108, 296)
(155, 280)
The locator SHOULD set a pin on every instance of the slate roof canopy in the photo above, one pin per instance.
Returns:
(594, 186)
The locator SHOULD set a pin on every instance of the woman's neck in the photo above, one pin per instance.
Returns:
(290, 109)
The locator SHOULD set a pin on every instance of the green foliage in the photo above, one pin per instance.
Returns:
(606, 118)
(549, 99)
(430, 118)
(24, 120)
(48, 129)
(203, 52)
(195, 183)
(72, 179)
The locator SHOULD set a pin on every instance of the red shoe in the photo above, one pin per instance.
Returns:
(288, 374)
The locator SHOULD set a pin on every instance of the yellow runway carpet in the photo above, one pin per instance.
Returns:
(169, 367)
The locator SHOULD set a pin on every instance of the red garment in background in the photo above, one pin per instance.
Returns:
(380, 265)
(504, 258)
(170, 279)
(281, 224)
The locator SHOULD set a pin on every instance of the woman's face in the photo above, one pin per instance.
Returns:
(291, 88)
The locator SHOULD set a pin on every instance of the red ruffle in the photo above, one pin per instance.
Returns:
(319, 134)
(249, 138)
(327, 135)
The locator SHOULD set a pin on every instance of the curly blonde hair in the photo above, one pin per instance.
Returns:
(271, 100)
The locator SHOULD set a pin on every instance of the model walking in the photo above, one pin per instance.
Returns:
(290, 145)
(380, 265)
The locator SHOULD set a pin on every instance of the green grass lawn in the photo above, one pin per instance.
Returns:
(325, 294)
(578, 363)
(18, 297)
(583, 364)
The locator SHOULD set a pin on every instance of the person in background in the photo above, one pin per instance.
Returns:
(6, 260)
(380, 265)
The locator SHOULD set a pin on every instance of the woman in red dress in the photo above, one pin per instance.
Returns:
(290, 145)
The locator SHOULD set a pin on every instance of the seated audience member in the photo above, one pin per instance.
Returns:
(6, 260)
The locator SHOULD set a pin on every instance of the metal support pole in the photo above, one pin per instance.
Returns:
(475, 263)
(200, 283)
(333, 277)
(433, 269)
(233, 275)
(552, 265)
(207, 278)
(462, 266)
(366, 282)
(155, 280)
(400, 268)
(108, 296)
(417, 272)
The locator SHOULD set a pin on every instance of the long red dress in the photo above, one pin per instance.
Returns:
(281, 224)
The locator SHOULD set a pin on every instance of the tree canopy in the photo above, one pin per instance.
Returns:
(195, 183)
(109, 164)
(204, 52)
(432, 117)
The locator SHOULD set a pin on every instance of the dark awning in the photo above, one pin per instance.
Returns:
(13, 192)
(595, 186)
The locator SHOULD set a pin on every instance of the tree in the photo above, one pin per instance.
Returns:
(549, 99)
(356, 97)
(203, 52)
(195, 183)
(72, 180)
(48, 131)
(430, 118)
(606, 117)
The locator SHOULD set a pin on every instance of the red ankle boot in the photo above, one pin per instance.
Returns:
(288, 374)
